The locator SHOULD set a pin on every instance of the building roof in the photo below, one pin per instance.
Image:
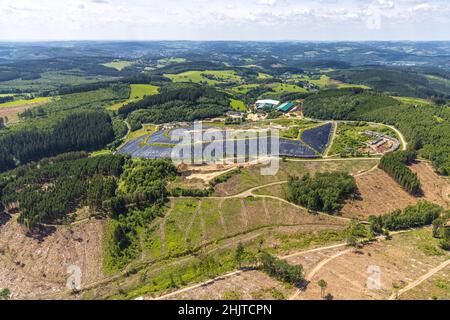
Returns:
(268, 101)
(286, 107)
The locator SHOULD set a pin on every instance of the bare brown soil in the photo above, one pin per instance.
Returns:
(248, 285)
(400, 261)
(381, 194)
(434, 187)
(12, 112)
(35, 267)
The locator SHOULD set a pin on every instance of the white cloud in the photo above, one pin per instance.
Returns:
(267, 2)
(218, 19)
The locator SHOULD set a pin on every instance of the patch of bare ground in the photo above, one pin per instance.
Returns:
(379, 193)
(12, 112)
(399, 262)
(396, 263)
(36, 267)
(436, 287)
(247, 285)
(434, 187)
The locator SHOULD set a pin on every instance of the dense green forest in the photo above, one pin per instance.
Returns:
(398, 81)
(426, 127)
(177, 102)
(81, 130)
(49, 192)
(322, 192)
(395, 164)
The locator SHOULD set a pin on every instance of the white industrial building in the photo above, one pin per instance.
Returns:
(267, 103)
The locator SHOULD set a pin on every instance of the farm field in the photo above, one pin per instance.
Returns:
(244, 89)
(415, 101)
(166, 61)
(11, 110)
(138, 91)
(23, 102)
(324, 81)
(281, 88)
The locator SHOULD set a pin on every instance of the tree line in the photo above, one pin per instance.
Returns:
(395, 165)
(83, 130)
(421, 214)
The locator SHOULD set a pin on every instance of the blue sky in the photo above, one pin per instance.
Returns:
(225, 20)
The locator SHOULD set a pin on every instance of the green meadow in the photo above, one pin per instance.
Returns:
(138, 91)
(238, 105)
(118, 65)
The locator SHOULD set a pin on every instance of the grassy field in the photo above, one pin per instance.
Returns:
(326, 82)
(238, 105)
(414, 101)
(100, 153)
(166, 61)
(244, 89)
(212, 228)
(263, 76)
(347, 85)
(282, 87)
(209, 76)
(23, 102)
(119, 64)
(138, 91)
(147, 129)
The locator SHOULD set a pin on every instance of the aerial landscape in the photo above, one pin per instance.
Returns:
(224, 170)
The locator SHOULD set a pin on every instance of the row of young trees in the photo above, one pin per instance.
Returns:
(421, 214)
(280, 269)
(395, 164)
(6, 99)
(322, 192)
